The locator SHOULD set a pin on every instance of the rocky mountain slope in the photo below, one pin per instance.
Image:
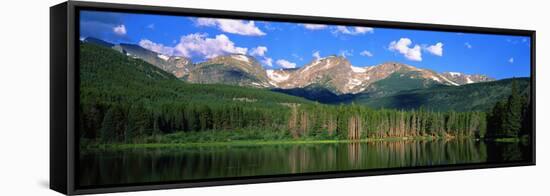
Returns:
(178, 66)
(338, 75)
(460, 78)
(236, 69)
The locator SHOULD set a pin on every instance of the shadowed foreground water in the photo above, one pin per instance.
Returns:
(115, 167)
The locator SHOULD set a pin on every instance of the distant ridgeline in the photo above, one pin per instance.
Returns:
(124, 99)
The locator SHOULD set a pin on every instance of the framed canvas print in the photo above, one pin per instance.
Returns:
(147, 97)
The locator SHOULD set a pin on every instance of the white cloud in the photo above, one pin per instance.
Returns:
(120, 30)
(366, 53)
(314, 26)
(239, 27)
(151, 26)
(155, 47)
(285, 64)
(353, 30)
(200, 45)
(267, 61)
(436, 49)
(363, 30)
(346, 53)
(269, 27)
(402, 46)
(206, 22)
(297, 56)
(197, 45)
(511, 60)
(316, 55)
(258, 51)
(468, 45)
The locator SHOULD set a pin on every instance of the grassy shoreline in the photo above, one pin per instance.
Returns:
(255, 142)
(254, 138)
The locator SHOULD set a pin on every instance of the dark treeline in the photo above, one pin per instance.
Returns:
(511, 117)
(359, 122)
(131, 122)
(128, 122)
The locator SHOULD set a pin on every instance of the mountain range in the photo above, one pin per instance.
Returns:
(332, 79)
(334, 73)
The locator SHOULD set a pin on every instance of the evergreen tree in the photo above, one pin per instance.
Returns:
(512, 118)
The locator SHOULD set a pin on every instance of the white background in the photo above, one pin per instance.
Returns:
(24, 96)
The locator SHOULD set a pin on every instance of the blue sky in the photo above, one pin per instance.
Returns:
(282, 45)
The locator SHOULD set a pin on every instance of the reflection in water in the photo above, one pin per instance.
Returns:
(175, 164)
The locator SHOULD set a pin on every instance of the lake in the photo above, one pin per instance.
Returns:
(117, 167)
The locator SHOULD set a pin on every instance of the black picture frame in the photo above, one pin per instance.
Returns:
(64, 83)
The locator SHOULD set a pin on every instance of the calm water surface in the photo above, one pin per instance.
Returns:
(115, 167)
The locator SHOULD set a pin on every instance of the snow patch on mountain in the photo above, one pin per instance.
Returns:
(358, 69)
(310, 66)
(468, 80)
(328, 64)
(449, 81)
(352, 83)
(276, 77)
(455, 74)
(163, 57)
(259, 85)
(240, 58)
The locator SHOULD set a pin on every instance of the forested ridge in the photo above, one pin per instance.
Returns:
(469, 97)
(480, 96)
(130, 101)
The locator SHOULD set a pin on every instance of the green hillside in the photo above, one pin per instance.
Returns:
(403, 92)
(113, 77)
(471, 97)
(398, 82)
(315, 93)
(122, 97)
